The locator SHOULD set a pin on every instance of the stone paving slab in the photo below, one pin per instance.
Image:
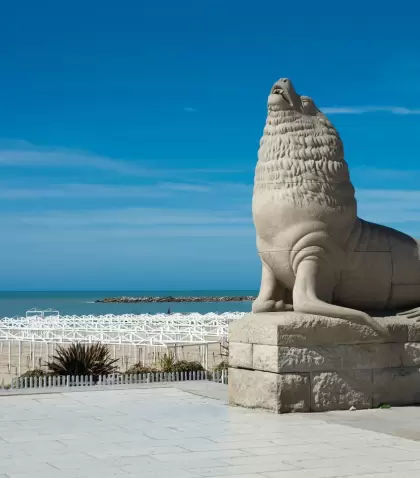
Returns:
(168, 432)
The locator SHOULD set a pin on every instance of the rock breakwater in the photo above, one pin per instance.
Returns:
(151, 299)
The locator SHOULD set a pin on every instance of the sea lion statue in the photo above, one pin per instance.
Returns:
(318, 257)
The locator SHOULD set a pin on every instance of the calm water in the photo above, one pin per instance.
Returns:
(81, 303)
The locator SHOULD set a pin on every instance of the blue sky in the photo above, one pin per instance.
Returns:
(129, 131)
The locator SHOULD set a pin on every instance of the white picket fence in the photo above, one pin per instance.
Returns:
(68, 381)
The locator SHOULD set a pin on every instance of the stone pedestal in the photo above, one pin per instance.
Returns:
(290, 362)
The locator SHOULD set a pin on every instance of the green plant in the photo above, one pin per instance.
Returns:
(168, 363)
(36, 373)
(384, 405)
(187, 366)
(223, 365)
(139, 368)
(83, 359)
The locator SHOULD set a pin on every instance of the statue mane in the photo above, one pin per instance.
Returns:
(301, 160)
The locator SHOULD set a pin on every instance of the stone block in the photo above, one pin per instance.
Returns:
(278, 359)
(294, 392)
(369, 356)
(294, 329)
(396, 386)
(341, 390)
(240, 355)
(348, 364)
(296, 359)
(279, 393)
(411, 355)
(413, 331)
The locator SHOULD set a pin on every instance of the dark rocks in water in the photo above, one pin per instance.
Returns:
(132, 300)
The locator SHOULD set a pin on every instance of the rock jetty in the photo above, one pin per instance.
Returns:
(133, 300)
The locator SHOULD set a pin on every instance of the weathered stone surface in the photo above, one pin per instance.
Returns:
(396, 326)
(279, 359)
(413, 331)
(368, 356)
(295, 392)
(294, 329)
(280, 393)
(396, 386)
(347, 364)
(341, 390)
(411, 355)
(253, 389)
(240, 355)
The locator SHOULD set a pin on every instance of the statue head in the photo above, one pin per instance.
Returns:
(283, 97)
(301, 150)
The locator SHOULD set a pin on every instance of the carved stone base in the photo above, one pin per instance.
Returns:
(290, 362)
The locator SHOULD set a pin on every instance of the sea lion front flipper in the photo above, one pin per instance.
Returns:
(310, 279)
(272, 296)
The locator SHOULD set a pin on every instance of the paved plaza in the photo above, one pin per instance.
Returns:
(180, 432)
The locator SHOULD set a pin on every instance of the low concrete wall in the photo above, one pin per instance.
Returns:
(289, 362)
(18, 357)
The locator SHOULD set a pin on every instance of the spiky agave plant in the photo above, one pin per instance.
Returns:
(167, 362)
(82, 359)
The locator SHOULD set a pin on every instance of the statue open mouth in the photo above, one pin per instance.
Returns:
(277, 90)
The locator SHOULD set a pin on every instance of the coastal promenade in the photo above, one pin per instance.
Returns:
(188, 431)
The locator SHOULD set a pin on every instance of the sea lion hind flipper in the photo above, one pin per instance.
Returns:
(306, 300)
(411, 314)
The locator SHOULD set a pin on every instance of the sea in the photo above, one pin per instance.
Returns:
(83, 302)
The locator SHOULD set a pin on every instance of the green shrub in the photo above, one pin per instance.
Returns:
(138, 368)
(221, 366)
(82, 359)
(36, 373)
(167, 364)
(186, 366)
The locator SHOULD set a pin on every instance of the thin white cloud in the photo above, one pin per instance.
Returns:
(358, 110)
(197, 188)
(73, 191)
(128, 217)
(21, 154)
(391, 195)
(109, 191)
(45, 157)
(59, 236)
(389, 206)
(190, 110)
(385, 173)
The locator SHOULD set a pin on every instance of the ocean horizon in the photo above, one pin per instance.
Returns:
(16, 303)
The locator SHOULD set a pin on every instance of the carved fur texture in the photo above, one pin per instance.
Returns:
(301, 161)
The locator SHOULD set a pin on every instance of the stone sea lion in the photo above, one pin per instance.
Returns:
(318, 256)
